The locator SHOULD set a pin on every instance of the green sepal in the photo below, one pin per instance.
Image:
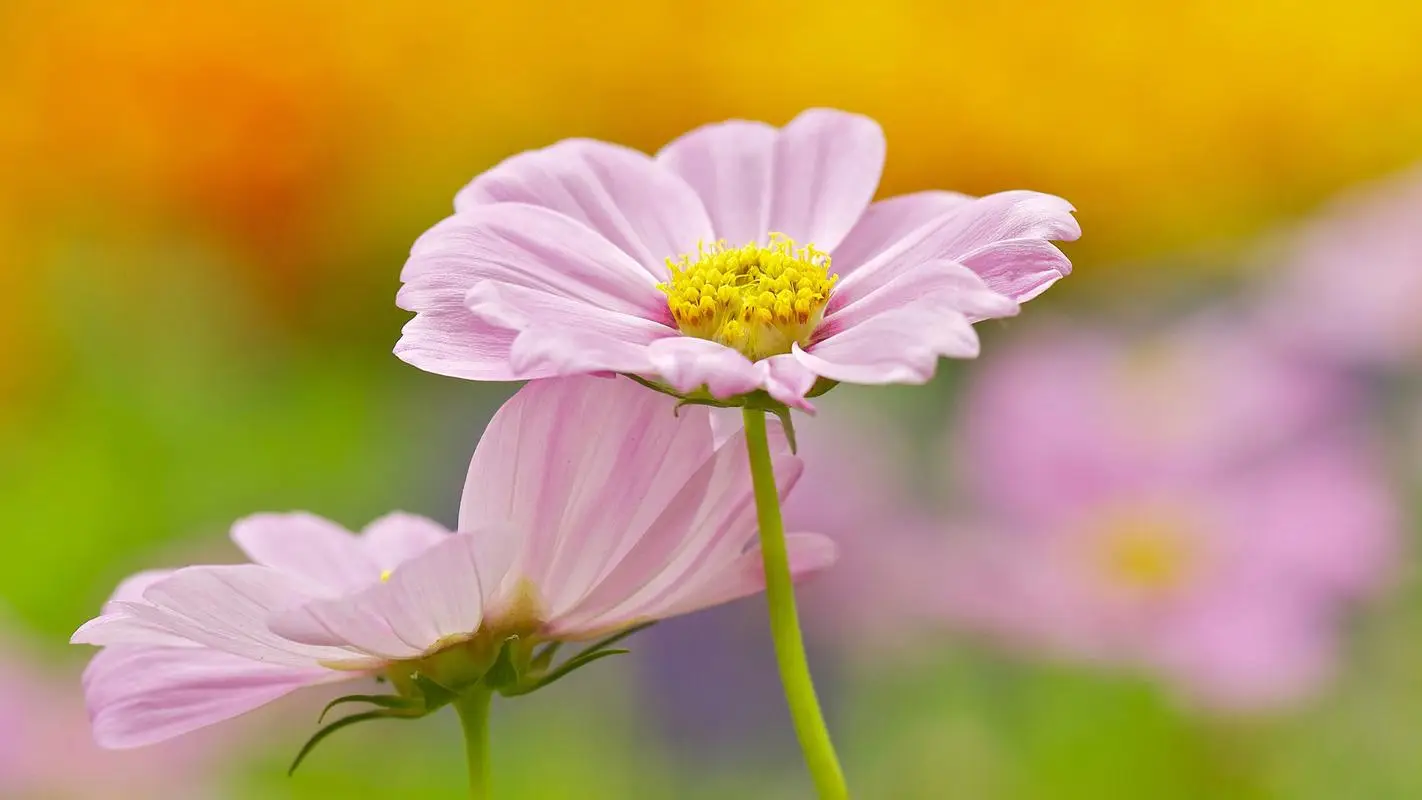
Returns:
(606, 642)
(822, 385)
(563, 670)
(788, 425)
(503, 673)
(435, 695)
(382, 700)
(346, 722)
(541, 675)
(544, 658)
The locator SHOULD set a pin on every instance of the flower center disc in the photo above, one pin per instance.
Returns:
(756, 299)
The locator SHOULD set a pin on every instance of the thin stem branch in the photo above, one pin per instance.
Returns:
(784, 621)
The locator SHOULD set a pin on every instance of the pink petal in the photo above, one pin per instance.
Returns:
(398, 537)
(535, 248)
(787, 380)
(810, 180)
(810, 553)
(729, 164)
(827, 167)
(319, 555)
(433, 598)
(1019, 268)
(705, 527)
(142, 695)
(560, 351)
(936, 284)
(686, 363)
(898, 347)
(886, 222)
(963, 234)
(131, 589)
(227, 608)
(579, 467)
(638, 205)
(447, 339)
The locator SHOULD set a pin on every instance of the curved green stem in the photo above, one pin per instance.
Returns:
(784, 622)
(473, 708)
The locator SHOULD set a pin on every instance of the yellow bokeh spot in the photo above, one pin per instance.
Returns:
(1145, 553)
(384, 575)
(758, 299)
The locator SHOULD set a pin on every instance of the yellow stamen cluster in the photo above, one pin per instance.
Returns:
(758, 299)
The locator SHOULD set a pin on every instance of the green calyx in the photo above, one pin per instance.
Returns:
(758, 399)
(515, 665)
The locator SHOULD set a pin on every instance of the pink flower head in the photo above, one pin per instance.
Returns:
(1107, 538)
(1349, 281)
(589, 508)
(740, 258)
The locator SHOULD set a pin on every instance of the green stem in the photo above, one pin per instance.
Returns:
(785, 624)
(473, 708)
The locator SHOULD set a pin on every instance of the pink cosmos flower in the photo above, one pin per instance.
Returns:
(1348, 282)
(589, 507)
(1139, 504)
(740, 258)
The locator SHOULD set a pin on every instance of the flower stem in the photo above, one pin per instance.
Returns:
(784, 622)
(473, 708)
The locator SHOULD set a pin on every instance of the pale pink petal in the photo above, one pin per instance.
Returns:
(827, 167)
(447, 339)
(611, 336)
(398, 537)
(142, 695)
(705, 527)
(431, 599)
(131, 589)
(686, 363)
(354, 622)
(810, 553)
(1019, 268)
(886, 222)
(787, 380)
(810, 180)
(319, 555)
(936, 284)
(902, 346)
(643, 208)
(532, 247)
(966, 234)
(729, 164)
(227, 608)
(579, 467)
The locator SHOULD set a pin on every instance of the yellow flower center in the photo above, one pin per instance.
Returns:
(756, 299)
(1145, 554)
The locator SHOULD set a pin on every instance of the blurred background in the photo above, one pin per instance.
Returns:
(1157, 542)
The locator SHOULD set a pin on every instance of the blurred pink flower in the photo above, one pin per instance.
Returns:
(1206, 520)
(1349, 281)
(589, 507)
(47, 751)
(588, 257)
